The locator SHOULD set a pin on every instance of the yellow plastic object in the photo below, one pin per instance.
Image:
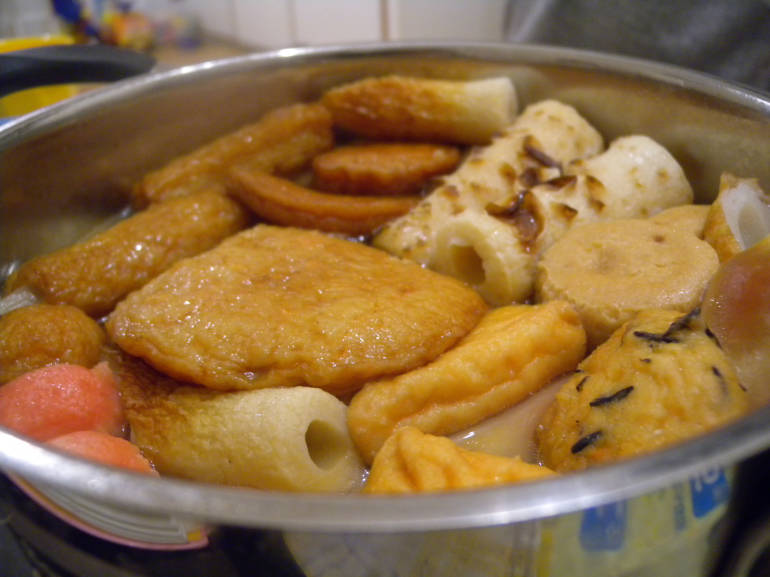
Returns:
(26, 101)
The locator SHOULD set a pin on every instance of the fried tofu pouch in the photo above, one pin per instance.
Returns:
(276, 306)
(96, 273)
(660, 379)
(288, 439)
(512, 353)
(411, 461)
(39, 335)
(282, 141)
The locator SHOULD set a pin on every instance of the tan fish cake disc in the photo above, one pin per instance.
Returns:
(687, 217)
(658, 380)
(611, 270)
(281, 306)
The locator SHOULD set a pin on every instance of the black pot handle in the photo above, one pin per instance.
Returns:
(65, 64)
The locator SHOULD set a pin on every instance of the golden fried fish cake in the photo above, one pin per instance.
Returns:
(411, 461)
(382, 169)
(95, 274)
(283, 140)
(660, 379)
(39, 335)
(282, 306)
(281, 201)
(423, 109)
(510, 354)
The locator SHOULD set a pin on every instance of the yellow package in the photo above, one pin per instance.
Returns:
(26, 101)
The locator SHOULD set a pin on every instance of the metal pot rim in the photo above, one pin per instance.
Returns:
(362, 513)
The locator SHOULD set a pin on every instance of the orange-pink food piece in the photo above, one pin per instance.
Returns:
(104, 448)
(60, 399)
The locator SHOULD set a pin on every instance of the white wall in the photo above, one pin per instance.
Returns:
(282, 23)
(471, 20)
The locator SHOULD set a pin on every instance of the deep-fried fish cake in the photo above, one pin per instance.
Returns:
(281, 306)
(282, 141)
(39, 335)
(658, 380)
(382, 169)
(96, 273)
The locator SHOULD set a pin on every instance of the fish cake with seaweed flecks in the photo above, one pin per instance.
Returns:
(660, 379)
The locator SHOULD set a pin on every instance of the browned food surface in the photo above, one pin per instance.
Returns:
(95, 274)
(282, 141)
(285, 438)
(411, 461)
(40, 335)
(661, 378)
(281, 201)
(411, 108)
(510, 354)
(282, 306)
(382, 169)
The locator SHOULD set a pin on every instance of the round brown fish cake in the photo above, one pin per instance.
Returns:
(282, 306)
(36, 336)
(611, 270)
(658, 380)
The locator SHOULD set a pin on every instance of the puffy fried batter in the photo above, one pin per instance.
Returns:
(382, 169)
(513, 352)
(406, 108)
(290, 439)
(282, 141)
(658, 380)
(611, 270)
(414, 462)
(39, 335)
(278, 306)
(95, 274)
(281, 201)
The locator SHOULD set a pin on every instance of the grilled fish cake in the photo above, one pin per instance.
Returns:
(282, 306)
(95, 274)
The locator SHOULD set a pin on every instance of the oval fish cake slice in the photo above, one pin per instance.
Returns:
(281, 306)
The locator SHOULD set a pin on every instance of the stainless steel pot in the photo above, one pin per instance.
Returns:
(65, 169)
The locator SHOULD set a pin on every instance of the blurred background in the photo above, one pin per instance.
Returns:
(192, 30)
(728, 38)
